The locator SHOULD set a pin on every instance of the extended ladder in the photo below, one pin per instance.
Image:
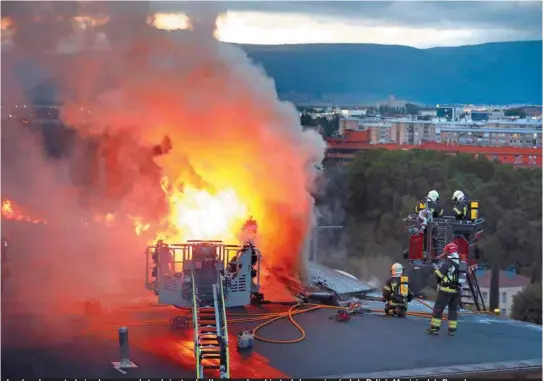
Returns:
(471, 293)
(210, 331)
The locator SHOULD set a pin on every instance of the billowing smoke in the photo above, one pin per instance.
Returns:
(154, 103)
(368, 263)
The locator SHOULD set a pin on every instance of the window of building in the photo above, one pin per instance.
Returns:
(503, 312)
(485, 295)
(504, 297)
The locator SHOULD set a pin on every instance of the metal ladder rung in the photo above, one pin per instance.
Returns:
(202, 343)
(203, 336)
(206, 356)
(212, 352)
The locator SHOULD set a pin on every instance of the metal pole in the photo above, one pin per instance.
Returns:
(123, 345)
(125, 362)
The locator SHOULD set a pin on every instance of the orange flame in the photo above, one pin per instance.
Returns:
(139, 225)
(203, 215)
(11, 211)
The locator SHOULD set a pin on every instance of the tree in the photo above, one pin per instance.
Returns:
(517, 111)
(412, 109)
(306, 120)
(527, 304)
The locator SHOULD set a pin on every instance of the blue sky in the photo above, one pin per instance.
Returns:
(420, 24)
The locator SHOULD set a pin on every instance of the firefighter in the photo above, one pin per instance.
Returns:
(424, 216)
(431, 202)
(396, 292)
(448, 292)
(427, 210)
(461, 205)
(163, 259)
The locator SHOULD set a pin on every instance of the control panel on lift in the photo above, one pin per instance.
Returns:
(170, 267)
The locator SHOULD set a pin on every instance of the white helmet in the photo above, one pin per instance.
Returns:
(458, 196)
(396, 270)
(454, 257)
(433, 196)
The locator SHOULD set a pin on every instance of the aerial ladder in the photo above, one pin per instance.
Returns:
(425, 246)
(471, 294)
(206, 277)
(210, 326)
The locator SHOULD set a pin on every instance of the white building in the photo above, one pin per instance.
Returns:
(510, 284)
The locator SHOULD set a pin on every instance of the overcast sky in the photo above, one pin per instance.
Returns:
(418, 24)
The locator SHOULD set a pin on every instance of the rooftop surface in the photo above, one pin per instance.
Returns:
(74, 346)
(49, 339)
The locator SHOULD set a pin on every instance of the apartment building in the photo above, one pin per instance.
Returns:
(510, 284)
(416, 132)
(346, 124)
(503, 141)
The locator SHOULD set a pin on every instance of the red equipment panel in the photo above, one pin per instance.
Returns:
(463, 247)
(416, 247)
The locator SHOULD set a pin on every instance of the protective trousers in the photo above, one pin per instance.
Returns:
(395, 309)
(451, 300)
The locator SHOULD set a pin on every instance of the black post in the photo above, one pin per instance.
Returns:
(123, 345)
(494, 297)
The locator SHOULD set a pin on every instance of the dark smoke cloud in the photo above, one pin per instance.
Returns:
(127, 89)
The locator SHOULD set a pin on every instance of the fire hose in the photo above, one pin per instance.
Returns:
(269, 318)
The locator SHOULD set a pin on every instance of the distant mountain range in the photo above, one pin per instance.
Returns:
(354, 74)
(493, 73)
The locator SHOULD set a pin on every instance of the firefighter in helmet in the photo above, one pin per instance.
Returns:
(396, 293)
(431, 202)
(460, 205)
(448, 294)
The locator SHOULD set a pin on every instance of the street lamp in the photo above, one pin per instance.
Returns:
(313, 253)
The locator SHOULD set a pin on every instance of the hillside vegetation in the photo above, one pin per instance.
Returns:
(373, 193)
(351, 74)
(499, 73)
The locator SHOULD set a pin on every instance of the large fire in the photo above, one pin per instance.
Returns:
(236, 149)
(194, 214)
(200, 215)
